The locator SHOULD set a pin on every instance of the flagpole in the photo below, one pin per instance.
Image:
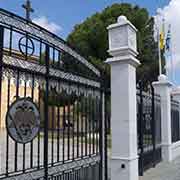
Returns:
(159, 52)
(171, 59)
(159, 44)
(172, 68)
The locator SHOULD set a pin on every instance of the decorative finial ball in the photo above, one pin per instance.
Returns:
(162, 78)
(122, 19)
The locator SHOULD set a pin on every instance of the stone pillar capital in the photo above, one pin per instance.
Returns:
(128, 59)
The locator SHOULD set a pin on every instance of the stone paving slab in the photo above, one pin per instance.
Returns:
(164, 171)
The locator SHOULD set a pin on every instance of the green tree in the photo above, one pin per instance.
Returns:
(90, 38)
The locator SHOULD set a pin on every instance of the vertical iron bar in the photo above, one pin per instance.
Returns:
(46, 114)
(52, 136)
(101, 136)
(64, 128)
(90, 121)
(59, 58)
(38, 145)
(26, 55)
(24, 146)
(69, 123)
(73, 117)
(39, 105)
(99, 116)
(40, 52)
(7, 136)
(77, 131)
(97, 128)
(32, 96)
(93, 122)
(153, 127)
(82, 121)
(16, 144)
(10, 41)
(86, 124)
(141, 131)
(106, 135)
(58, 136)
(1, 60)
(53, 55)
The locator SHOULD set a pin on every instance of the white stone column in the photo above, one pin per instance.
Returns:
(122, 46)
(163, 88)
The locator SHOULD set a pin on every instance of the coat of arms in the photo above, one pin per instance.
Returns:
(23, 120)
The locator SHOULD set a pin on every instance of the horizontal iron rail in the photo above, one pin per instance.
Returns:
(51, 77)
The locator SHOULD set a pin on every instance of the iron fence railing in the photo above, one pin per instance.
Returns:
(175, 124)
(69, 96)
(149, 127)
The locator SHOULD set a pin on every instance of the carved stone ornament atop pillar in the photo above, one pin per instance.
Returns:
(122, 38)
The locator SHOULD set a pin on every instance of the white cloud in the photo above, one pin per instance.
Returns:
(44, 22)
(171, 13)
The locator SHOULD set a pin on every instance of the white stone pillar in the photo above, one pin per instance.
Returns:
(122, 46)
(163, 88)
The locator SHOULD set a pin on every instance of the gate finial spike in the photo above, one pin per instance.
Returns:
(28, 9)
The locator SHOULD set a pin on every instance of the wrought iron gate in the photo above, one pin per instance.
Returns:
(39, 66)
(149, 127)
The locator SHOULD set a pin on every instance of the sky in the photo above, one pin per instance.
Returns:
(60, 16)
(171, 14)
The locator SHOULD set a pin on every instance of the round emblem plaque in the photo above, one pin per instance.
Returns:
(26, 46)
(23, 120)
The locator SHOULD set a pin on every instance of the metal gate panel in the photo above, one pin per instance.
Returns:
(149, 127)
(67, 90)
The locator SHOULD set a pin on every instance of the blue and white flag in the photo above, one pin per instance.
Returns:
(168, 55)
(168, 42)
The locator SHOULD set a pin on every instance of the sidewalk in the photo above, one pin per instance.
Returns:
(164, 171)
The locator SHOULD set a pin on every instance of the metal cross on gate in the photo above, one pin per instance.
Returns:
(28, 9)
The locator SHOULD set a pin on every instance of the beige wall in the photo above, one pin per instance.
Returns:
(4, 97)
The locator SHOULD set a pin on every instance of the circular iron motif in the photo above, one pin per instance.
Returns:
(23, 120)
(26, 46)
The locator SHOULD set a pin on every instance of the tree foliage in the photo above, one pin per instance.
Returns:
(90, 38)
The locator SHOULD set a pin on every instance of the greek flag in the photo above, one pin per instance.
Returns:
(168, 41)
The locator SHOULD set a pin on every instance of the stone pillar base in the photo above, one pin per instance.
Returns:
(166, 153)
(124, 169)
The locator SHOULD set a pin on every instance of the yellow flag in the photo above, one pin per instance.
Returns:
(162, 44)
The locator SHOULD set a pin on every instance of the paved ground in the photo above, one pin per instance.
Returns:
(11, 152)
(164, 171)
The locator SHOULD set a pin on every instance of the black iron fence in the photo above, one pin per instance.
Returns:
(175, 121)
(68, 93)
(149, 127)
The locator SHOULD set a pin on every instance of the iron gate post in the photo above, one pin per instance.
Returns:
(46, 114)
(122, 46)
(140, 125)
